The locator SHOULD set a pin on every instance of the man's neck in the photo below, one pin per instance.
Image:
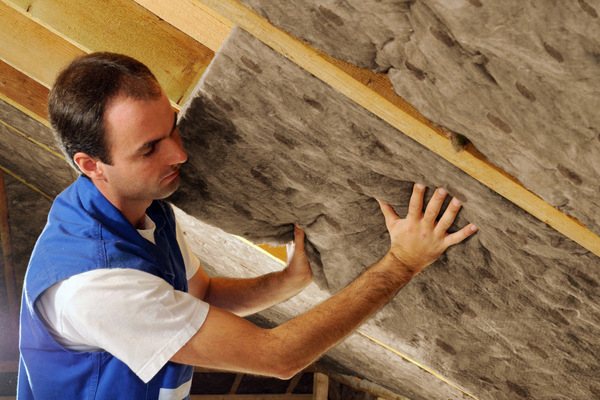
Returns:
(133, 210)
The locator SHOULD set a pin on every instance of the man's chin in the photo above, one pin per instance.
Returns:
(168, 190)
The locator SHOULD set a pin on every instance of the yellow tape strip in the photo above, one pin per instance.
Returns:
(24, 182)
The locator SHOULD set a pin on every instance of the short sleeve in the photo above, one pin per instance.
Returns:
(143, 321)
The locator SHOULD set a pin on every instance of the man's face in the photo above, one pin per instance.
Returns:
(145, 149)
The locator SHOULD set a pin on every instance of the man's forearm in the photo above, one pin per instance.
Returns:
(248, 296)
(304, 338)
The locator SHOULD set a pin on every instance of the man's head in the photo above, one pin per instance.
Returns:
(118, 128)
(80, 95)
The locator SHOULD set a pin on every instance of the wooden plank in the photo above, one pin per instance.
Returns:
(26, 183)
(7, 258)
(469, 160)
(294, 382)
(363, 385)
(236, 383)
(320, 386)
(28, 127)
(23, 92)
(192, 18)
(123, 26)
(24, 43)
(27, 159)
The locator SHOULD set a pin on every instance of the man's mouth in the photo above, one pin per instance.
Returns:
(172, 175)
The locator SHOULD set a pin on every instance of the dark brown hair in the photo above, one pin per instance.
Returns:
(81, 93)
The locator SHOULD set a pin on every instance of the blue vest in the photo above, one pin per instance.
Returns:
(86, 232)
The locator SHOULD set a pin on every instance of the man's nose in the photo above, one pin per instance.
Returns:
(177, 153)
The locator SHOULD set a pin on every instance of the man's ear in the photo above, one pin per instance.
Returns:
(89, 166)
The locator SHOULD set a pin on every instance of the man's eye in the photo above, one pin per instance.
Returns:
(149, 151)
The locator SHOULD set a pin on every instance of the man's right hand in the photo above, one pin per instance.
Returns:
(418, 240)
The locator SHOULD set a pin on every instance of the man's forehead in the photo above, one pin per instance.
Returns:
(130, 122)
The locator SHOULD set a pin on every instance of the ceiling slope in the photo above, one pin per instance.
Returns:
(503, 315)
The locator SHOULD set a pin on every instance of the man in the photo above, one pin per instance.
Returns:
(116, 307)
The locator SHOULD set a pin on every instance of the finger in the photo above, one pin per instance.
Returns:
(415, 205)
(388, 212)
(435, 205)
(449, 216)
(298, 237)
(457, 237)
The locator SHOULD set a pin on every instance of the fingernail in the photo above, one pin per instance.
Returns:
(456, 202)
(474, 228)
(419, 186)
(442, 191)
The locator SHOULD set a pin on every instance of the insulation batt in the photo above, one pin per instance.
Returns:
(511, 313)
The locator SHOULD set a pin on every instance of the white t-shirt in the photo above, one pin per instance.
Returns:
(136, 316)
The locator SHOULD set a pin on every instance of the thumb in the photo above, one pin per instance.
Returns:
(298, 238)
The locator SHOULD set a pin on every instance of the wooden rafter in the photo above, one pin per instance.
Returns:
(320, 386)
(23, 93)
(294, 382)
(7, 259)
(236, 383)
(59, 30)
(30, 185)
(373, 92)
(23, 43)
(194, 19)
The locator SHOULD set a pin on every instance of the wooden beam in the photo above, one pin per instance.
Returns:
(27, 157)
(26, 183)
(294, 382)
(320, 386)
(24, 43)
(23, 93)
(192, 18)
(7, 258)
(374, 93)
(363, 385)
(120, 26)
(236, 383)
(28, 127)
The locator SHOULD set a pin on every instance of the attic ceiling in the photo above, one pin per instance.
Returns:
(281, 132)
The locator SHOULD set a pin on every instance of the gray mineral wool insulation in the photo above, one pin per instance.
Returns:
(517, 78)
(510, 313)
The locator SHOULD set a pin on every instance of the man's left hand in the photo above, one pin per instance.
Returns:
(298, 267)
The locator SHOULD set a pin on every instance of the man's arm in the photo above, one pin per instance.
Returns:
(228, 342)
(251, 295)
